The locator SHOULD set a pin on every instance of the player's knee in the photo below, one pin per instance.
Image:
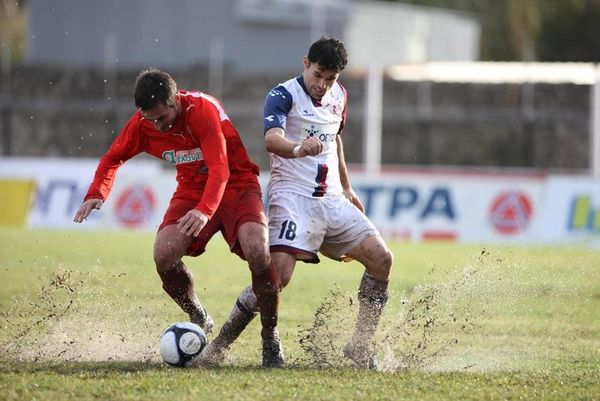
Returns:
(259, 261)
(258, 257)
(254, 243)
(164, 261)
(387, 260)
(381, 264)
(284, 266)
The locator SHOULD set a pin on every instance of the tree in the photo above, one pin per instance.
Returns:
(570, 31)
(543, 30)
(12, 30)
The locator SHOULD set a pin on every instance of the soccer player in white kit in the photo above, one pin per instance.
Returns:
(312, 207)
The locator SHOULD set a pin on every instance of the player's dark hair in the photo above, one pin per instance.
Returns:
(329, 53)
(152, 87)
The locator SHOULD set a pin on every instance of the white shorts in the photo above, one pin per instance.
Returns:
(303, 226)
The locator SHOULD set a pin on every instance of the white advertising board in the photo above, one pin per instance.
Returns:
(139, 201)
(473, 208)
(572, 210)
(477, 208)
(61, 185)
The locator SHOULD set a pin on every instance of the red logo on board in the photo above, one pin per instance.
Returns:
(510, 212)
(135, 205)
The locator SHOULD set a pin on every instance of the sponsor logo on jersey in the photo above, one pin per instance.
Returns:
(183, 156)
(326, 137)
(311, 130)
(308, 113)
(336, 108)
(317, 132)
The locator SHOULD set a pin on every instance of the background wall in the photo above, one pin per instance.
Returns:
(78, 112)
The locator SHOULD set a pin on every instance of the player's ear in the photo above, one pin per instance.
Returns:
(306, 63)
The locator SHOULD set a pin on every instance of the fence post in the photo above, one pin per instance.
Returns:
(5, 101)
(595, 125)
(372, 119)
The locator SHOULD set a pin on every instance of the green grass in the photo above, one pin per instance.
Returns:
(81, 313)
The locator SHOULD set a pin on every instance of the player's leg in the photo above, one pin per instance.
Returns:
(351, 235)
(244, 311)
(169, 247)
(252, 237)
(246, 308)
(372, 296)
(282, 260)
(265, 285)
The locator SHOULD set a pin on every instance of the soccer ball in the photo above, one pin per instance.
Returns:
(181, 342)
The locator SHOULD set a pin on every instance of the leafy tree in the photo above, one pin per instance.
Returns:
(544, 30)
(570, 31)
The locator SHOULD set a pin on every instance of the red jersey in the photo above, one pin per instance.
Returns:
(205, 147)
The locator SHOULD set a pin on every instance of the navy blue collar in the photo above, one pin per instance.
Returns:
(315, 102)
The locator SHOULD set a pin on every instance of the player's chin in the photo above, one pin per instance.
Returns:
(317, 95)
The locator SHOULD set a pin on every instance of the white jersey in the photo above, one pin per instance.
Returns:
(290, 107)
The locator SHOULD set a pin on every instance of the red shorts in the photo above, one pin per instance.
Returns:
(238, 206)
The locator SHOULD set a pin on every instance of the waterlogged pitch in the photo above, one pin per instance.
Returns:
(81, 314)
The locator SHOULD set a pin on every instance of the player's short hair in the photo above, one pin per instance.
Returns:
(329, 53)
(152, 87)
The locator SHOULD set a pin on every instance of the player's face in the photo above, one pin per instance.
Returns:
(318, 80)
(161, 116)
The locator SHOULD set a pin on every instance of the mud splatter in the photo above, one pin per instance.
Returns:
(418, 328)
(61, 323)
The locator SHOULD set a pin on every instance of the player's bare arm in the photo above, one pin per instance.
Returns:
(192, 222)
(345, 180)
(277, 143)
(86, 208)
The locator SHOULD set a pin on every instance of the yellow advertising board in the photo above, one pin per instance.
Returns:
(15, 199)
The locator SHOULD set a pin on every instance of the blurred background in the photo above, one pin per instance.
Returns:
(470, 120)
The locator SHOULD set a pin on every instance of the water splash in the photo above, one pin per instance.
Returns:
(61, 324)
(419, 328)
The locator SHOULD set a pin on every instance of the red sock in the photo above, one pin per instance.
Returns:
(266, 289)
(179, 284)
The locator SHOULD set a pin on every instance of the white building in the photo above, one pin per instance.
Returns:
(246, 35)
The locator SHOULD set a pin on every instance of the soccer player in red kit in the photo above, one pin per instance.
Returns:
(217, 190)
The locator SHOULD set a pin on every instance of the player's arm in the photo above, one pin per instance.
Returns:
(206, 125)
(125, 146)
(86, 208)
(344, 178)
(277, 143)
(277, 107)
(343, 170)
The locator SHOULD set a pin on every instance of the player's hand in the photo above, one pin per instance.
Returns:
(192, 222)
(311, 146)
(351, 196)
(86, 208)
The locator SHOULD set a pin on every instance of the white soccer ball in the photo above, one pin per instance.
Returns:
(181, 342)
